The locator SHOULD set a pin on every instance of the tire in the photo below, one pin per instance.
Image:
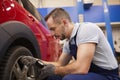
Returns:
(12, 68)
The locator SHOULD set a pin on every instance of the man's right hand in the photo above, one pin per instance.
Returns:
(29, 60)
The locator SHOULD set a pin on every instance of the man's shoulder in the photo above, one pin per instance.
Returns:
(87, 24)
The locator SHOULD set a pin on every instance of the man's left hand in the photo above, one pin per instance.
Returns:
(46, 71)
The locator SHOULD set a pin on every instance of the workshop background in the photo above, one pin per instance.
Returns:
(105, 13)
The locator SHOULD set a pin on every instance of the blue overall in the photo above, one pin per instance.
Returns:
(95, 72)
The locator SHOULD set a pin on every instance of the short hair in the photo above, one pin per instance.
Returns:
(57, 14)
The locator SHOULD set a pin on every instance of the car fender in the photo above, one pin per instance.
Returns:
(12, 30)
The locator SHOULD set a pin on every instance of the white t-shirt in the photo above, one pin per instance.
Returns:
(89, 32)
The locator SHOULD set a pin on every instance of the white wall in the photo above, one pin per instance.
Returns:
(58, 3)
(36, 3)
(53, 3)
(116, 37)
(64, 3)
(110, 2)
(113, 2)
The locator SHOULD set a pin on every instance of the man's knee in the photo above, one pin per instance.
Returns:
(68, 77)
(54, 77)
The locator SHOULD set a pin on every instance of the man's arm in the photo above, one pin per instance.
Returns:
(62, 61)
(81, 65)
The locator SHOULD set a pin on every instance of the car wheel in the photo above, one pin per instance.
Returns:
(13, 69)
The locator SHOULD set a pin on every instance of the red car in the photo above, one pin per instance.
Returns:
(23, 32)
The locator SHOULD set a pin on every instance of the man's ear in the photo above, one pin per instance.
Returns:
(65, 21)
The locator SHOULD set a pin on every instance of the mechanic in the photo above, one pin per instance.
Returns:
(94, 58)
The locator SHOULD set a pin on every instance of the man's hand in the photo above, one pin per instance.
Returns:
(29, 60)
(43, 70)
(47, 70)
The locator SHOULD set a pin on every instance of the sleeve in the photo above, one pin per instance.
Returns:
(87, 32)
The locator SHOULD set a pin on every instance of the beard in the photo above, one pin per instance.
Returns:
(62, 37)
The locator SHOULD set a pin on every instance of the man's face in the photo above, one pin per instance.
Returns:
(57, 29)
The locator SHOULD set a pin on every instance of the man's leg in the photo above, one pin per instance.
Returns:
(89, 76)
(54, 77)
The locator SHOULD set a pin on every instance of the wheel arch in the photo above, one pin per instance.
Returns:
(15, 33)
